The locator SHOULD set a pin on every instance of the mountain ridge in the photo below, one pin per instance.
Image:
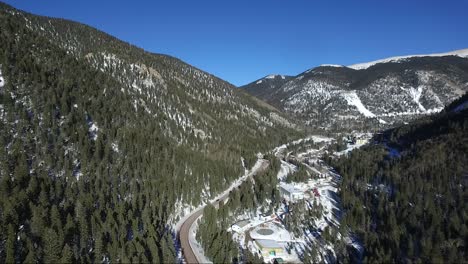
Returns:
(378, 96)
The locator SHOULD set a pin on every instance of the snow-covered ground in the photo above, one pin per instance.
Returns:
(255, 228)
(285, 169)
(93, 131)
(321, 192)
(324, 195)
(188, 211)
(350, 148)
(197, 247)
(2, 81)
(353, 99)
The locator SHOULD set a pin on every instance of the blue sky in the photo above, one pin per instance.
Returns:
(244, 40)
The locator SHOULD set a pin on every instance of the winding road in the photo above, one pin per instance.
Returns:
(184, 231)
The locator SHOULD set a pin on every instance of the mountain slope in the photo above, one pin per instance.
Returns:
(103, 145)
(261, 88)
(395, 90)
(405, 195)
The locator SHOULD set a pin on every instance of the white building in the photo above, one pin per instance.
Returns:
(290, 193)
(269, 249)
(240, 226)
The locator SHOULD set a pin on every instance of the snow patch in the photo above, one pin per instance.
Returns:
(93, 130)
(115, 147)
(259, 82)
(353, 99)
(415, 95)
(285, 169)
(331, 65)
(2, 81)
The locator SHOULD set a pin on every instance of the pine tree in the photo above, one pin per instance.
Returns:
(67, 254)
(52, 247)
(10, 245)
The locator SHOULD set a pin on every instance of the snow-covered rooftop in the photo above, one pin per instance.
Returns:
(267, 243)
(290, 188)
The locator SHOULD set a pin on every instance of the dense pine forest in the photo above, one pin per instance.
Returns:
(405, 196)
(260, 191)
(101, 143)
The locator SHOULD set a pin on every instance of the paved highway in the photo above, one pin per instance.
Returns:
(183, 232)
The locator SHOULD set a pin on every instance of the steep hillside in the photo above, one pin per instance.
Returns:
(103, 145)
(372, 95)
(262, 88)
(405, 197)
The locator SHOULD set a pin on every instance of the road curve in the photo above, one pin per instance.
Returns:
(184, 231)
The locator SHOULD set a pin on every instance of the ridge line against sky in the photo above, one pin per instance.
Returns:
(242, 41)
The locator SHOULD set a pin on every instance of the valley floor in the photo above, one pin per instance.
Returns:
(271, 235)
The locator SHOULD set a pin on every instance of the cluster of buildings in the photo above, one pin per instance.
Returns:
(295, 192)
(358, 138)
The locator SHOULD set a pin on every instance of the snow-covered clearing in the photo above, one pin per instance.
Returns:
(415, 95)
(350, 148)
(285, 169)
(353, 99)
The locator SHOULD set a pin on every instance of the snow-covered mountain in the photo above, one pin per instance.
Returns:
(360, 66)
(373, 94)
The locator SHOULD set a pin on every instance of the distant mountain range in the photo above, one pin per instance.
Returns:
(367, 95)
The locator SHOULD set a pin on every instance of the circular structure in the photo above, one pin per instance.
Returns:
(265, 231)
(270, 231)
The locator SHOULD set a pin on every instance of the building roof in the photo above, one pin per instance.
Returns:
(267, 243)
(242, 223)
(289, 188)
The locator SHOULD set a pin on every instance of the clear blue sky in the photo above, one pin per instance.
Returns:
(244, 40)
